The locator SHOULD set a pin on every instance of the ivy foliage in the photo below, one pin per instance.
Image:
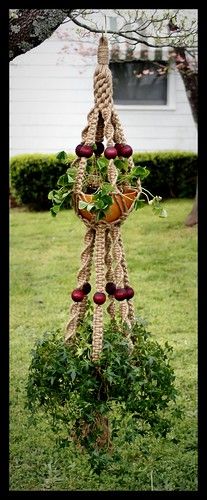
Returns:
(95, 181)
(32, 176)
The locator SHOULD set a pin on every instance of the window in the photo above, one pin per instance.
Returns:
(139, 82)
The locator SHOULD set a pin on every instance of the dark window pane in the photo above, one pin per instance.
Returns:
(132, 86)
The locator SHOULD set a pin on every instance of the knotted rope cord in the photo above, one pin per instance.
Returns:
(93, 123)
(100, 287)
(118, 130)
(87, 258)
(78, 184)
(100, 129)
(112, 175)
(103, 119)
(109, 272)
(85, 130)
(131, 314)
(78, 308)
(103, 100)
(119, 275)
(117, 255)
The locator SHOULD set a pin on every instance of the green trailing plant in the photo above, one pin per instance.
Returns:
(96, 183)
(32, 176)
(87, 401)
(102, 200)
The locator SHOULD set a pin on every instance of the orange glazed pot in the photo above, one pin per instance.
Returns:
(116, 210)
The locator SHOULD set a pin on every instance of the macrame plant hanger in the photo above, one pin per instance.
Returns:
(103, 241)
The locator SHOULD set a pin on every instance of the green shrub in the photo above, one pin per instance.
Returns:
(33, 176)
(88, 401)
(172, 174)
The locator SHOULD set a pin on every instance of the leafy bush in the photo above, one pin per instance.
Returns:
(172, 174)
(87, 400)
(33, 176)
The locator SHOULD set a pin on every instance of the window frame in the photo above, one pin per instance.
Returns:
(155, 107)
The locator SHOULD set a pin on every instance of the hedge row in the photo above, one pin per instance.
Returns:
(32, 176)
(172, 174)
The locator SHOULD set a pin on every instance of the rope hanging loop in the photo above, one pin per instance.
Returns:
(103, 51)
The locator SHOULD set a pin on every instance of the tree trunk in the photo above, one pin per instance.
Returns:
(192, 217)
(190, 80)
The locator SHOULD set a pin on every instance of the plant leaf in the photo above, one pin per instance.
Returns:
(107, 187)
(139, 204)
(139, 171)
(54, 210)
(163, 213)
(70, 179)
(89, 206)
(121, 164)
(63, 180)
(102, 162)
(65, 194)
(62, 155)
(51, 194)
(56, 199)
(82, 204)
(73, 375)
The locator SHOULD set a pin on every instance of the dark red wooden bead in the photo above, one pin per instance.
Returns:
(99, 298)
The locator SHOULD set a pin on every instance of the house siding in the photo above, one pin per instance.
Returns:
(51, 93)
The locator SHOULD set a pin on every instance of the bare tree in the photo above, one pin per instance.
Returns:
(175, 29)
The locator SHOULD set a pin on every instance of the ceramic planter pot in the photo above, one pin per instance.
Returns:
(121, 202)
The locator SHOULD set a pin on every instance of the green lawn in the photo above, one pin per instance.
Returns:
(162, 263)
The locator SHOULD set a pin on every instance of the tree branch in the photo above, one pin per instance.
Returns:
(139, 39)
(30, 27)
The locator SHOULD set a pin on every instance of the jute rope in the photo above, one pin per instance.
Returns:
(78, 185)
(103, 99)
(78, 308)
(118, 130)
(109, 272)
(110, 262)
(117, 255)
(85, 130)
(100, 287)
(124, 305)
(93, 122)
(87, 259)
(112, 174)
(119, 273)
(131, 314)
(103, 119)
(100, 129)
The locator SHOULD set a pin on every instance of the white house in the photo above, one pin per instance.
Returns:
(51, 92)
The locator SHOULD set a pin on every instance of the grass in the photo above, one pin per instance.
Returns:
(162, 263)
